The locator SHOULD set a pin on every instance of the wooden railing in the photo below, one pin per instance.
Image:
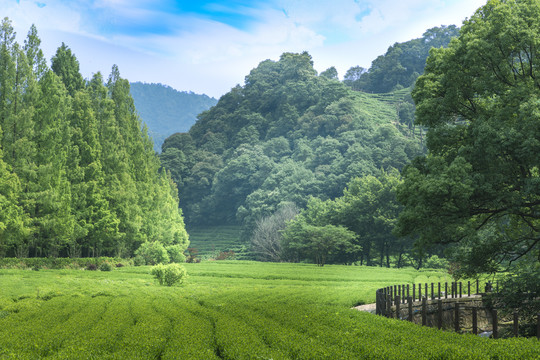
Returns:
(444, 305)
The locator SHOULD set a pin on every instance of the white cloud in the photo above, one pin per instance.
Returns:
(204, 55)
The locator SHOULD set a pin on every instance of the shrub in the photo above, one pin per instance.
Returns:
(435, 262)
(153, 253)
(91, 267)
(176, 255)
(139, 261)
(169, 274)
(105, 266)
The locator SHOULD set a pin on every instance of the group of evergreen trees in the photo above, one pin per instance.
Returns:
(78, 177)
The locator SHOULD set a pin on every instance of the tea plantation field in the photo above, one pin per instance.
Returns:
(225, 310)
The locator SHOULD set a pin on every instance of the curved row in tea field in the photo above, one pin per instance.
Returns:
(228, 310)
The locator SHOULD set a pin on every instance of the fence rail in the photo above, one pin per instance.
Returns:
(448, 305)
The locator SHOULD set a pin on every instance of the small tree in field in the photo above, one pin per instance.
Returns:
(318, 242)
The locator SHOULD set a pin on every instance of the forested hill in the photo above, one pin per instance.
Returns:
(167, 111)
(284, 136)
(402, 63)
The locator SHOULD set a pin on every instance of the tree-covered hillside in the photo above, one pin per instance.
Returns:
(167, 111)
(402, 63)
(284, 136)
(78, 177)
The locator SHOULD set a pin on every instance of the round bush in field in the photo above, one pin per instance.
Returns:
(169, 274)
(106, 266)
(153, 253)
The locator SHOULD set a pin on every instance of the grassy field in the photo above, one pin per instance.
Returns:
(225, 310)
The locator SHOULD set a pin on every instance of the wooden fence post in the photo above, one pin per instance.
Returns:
(439, 288)
(456, 317)
(460, 289)
(403, 294)
(469, 288)
(409, 302)
(426, 293)
(477, 287)
(495, 322)
(475, 320)
(439, 314)
(413, 292)
(408, 291)
(398, 302)
(419, 291)
(424, 311)
(388, 305)
(446, 290)
(432, 292)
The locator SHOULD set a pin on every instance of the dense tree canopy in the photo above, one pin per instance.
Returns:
(285, 135)
(478, 189)
(78, 175)
(402, 63)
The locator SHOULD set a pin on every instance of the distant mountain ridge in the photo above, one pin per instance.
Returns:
(167, 111)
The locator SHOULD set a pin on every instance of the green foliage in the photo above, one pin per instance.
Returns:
(402, 63)
(139, 260)
(170, 274)
(59, 263)
(283, 136)
(106, 266)
(308, 237)
(176, 253)
(153, 253)
(477, 189)
(167, 111)
(435, 262)
(78, 177)
(520, 290)
(228, 309)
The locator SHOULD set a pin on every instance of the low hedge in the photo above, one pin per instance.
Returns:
(61, 263)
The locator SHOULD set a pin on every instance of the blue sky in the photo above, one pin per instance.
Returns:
(209, 46)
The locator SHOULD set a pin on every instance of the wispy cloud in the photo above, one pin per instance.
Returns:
(176, 42)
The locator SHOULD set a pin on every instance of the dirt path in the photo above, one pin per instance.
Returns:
(367, 307)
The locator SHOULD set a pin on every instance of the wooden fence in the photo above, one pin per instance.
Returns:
(446, 305)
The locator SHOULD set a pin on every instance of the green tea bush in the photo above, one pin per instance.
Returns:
(153, 253)
(176, 254)
(58, 263)
(169, 274)
(106, 266)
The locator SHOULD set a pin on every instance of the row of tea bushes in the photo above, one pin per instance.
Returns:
(300, 312)
(62, 263)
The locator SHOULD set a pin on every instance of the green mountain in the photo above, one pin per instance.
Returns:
(284, 136)
(167, 111)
